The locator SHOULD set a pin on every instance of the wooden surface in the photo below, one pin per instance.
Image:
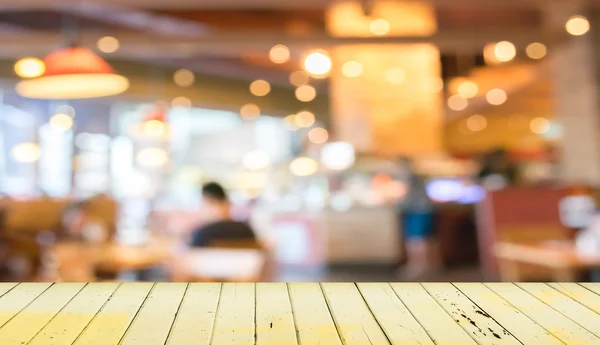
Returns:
(299, 313)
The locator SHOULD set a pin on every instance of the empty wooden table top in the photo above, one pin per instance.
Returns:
(298, 313)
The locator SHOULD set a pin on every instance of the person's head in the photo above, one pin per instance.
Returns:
(215, 203)
(73, 216)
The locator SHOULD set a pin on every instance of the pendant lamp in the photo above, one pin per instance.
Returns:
(155, 124)
(73, 73)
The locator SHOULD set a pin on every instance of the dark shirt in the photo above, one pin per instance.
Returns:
(222, 230)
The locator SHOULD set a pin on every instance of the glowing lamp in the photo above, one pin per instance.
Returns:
(73, 73)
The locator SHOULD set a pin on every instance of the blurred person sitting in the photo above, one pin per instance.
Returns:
(216, 215)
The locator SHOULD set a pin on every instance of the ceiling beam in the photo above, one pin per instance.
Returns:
(257, 4)
(456, 41)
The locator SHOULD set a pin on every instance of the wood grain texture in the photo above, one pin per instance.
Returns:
(196, 317)
(25, 325)
(313, 321)
(554, 322)
(274, 319)
(565, 305)
(66, 326)
(234, 324)
(440, 326)
(395, 319)
(299, 314)
(153, 322)
(111, 323)
(476, 322)
(355, 322)
(521, 326)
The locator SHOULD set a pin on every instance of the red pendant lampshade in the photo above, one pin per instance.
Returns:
(74, 73)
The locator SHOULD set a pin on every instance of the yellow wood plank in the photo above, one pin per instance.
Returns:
(442, 328)
(565, 305)
(355, 323)
(36, 315)
(153, 322)
(111, 323)
(274, 320)
(18, 298)
(397, 322)
(517, 323)
(580, 294)
(469, 316)
(594, 287)
(311, 315)
(195, 320)
(554, 322)
(65, 327)
(234, 324)
(6, 287)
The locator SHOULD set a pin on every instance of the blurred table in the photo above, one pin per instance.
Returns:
(560, 257)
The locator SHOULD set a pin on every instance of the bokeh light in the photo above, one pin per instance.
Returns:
(108, 44)
(30, 68)
(476, 123)
(306, 93)
(181, 102)
(249, 111)
(457, 103)
(256, 160)
(318, 64)
(352, 69)
(468, 89)
(61, 122)
(279, 54)
(154, 128)
(505, 51)
(152, 157)
(260, 88)
(577, 25)
(26, 152)
(379, 27)
(304, 166)
(496, 96)
(299, 78)
(536, 50)
(540, 125)
(318, 135)
(304, 119)
(184, 78)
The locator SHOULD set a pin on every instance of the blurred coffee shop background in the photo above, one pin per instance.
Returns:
(315, 115)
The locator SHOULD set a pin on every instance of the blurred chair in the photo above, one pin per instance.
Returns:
(68, 262)
(511, 270)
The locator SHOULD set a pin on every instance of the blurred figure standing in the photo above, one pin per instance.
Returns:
(417, 222)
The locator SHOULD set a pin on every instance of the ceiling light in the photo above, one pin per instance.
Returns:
(318, 64)
(73, 73)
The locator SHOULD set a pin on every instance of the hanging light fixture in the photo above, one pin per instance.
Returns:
(73, 73)
(155, 124)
